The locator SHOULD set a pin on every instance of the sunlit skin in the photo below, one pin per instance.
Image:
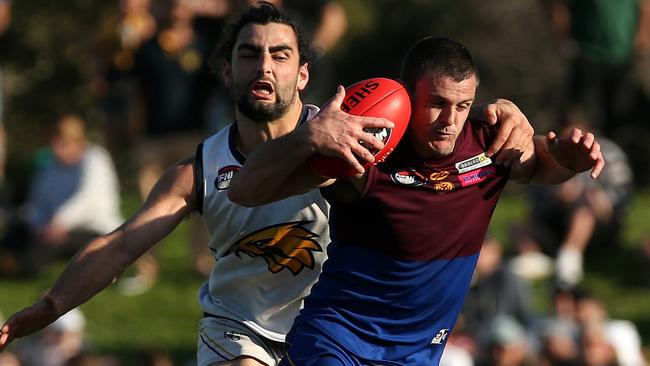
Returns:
(441, 106)
(265, 74)
(68, 152)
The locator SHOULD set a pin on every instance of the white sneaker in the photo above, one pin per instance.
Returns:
(133, 286)
(532, 265)
(568, 266)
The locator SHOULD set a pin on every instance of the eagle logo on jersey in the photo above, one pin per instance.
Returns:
(289, 245)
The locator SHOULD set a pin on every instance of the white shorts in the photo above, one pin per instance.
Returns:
(223, 339)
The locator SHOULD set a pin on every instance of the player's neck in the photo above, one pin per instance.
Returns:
(251, 133)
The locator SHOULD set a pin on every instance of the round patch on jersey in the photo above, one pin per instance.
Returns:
(224, 176)
(407, 177)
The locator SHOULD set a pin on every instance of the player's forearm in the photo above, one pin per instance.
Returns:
(91, 270)
(269, 168)
(100, 262)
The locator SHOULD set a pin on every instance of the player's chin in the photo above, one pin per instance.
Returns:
(441, 148)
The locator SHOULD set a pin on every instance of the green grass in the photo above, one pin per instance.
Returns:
(165, 318)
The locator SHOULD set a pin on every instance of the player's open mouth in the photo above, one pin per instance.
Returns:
(262, 89)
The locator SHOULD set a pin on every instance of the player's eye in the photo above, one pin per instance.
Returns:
(280, 57)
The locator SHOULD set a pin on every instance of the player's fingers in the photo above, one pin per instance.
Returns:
(501, 157)
(507, 156)
(588, 140)
(576, 135)
(4, 337)
(336, 101)
(375, 122)
(598, 167)
(490, 113)
(353, 162)
(552, 140)
(500, 139)
(515, 156)
(594, 152)
(370, 142)
(362, 153)
(512, 146)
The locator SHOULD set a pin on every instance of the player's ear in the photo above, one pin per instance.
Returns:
(226, 74)
(303, 76)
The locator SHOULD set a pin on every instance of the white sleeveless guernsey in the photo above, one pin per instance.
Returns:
(267, 257)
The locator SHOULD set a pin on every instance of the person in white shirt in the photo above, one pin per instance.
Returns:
(75, 195)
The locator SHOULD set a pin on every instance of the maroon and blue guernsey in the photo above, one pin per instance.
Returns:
(401, 258)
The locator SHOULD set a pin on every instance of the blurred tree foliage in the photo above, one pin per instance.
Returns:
(54, 49)
(48, 58)
(510, 40)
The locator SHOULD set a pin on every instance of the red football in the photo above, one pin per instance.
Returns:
(376, 97)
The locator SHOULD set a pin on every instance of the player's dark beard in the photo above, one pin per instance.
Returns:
(264, 112)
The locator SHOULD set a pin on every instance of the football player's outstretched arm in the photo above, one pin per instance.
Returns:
(552, 159)
(98, 264)
(277, 168)
(514, 132)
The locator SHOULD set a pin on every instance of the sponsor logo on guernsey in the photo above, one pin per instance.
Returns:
(438, 176)
(443, 187)
(288, 245)
(473, 163)
(224, 175)
(408, 177)
(440, 337)
(476, 176)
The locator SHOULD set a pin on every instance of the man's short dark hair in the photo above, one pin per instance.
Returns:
(441, 55)
(263, 12)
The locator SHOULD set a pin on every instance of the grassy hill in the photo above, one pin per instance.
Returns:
(165, 317)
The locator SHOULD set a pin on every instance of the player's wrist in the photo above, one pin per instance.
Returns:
(300, 143)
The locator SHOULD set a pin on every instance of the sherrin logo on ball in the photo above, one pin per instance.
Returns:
(376, 97)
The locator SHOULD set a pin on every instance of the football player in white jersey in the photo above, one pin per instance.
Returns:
(266, 258)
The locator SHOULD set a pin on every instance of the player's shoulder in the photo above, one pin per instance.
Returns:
(180, 175)
(182, 168)
(220, 135)
(480, 126)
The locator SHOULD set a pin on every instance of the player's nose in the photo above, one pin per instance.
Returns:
(265, 63)
(446, 116)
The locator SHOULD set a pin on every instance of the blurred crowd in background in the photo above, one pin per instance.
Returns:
(95, 109)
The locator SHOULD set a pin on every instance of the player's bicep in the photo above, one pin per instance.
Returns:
(170, 201)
